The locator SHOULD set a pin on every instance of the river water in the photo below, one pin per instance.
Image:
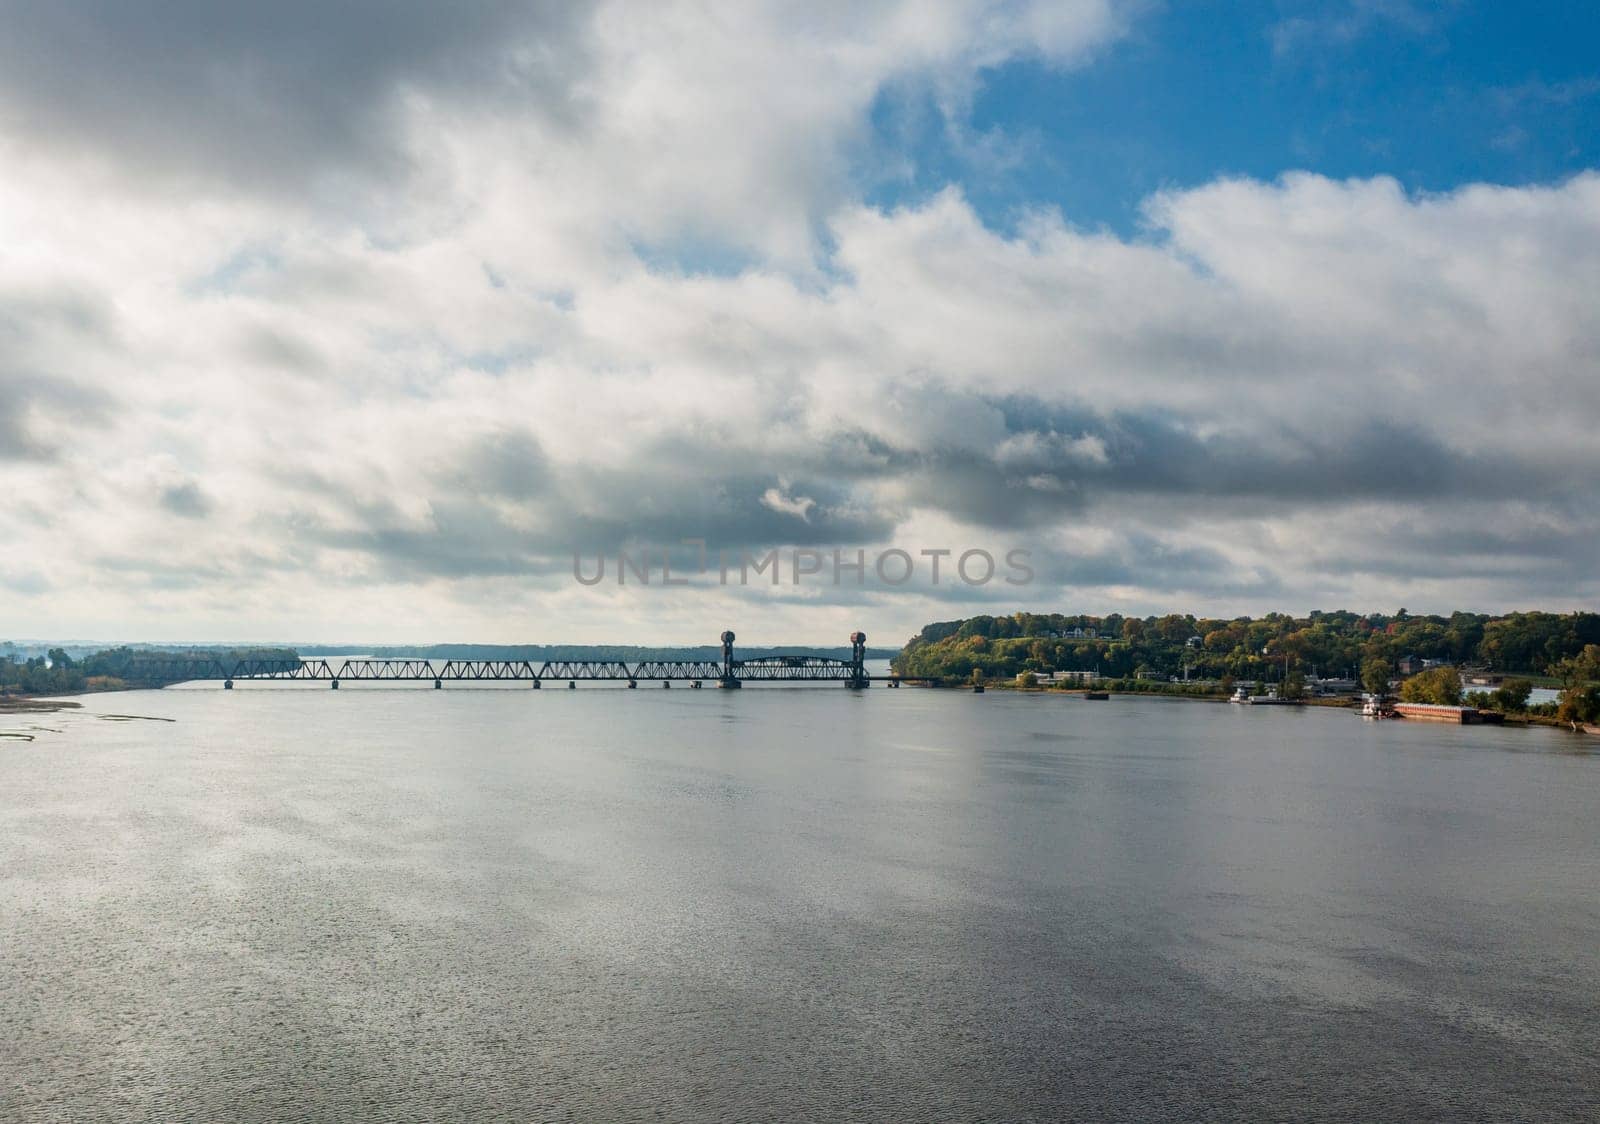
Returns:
(790, 903)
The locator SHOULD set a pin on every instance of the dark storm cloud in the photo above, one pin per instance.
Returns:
(1248, 457)
(1016, 462)
(1057, 461)
(651, 503)
(1136, 559)
(267, 94)
(463, 539)
(976, 489)
(1568, 534)
(499, 504)
(1461, 544)
(664, 504)
(1147, 561)
(667, 490)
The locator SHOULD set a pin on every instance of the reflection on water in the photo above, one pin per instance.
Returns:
(804, 903)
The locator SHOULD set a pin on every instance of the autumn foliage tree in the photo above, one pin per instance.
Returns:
(1580, 694)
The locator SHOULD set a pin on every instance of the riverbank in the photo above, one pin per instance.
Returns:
(23, 704)
(93, 685)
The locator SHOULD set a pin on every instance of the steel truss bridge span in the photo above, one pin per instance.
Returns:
(727, 672)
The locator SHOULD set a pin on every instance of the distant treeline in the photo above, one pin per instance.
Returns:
(1332, 644)
(58, 672)
(542, 652)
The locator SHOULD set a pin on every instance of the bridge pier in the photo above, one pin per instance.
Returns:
(334, 684)
(632, 683)
(227, 684)
(695, 684)
(535, 684)
(437, 685)
(858, 655)
(667, 683)
(729, 682)
(573, 685)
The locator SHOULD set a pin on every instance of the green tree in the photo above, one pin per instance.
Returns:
(1375, 676)
(1575, 671)
(1157, 646)
(1440, 686)
(1512, 696)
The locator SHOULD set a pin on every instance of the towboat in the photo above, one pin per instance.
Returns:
(1372, 706)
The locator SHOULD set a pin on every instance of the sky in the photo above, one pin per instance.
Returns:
(362, 320)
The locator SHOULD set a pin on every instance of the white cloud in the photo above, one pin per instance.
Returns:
(262, 413)
(797, 506)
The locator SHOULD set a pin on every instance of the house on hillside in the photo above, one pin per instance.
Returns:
(1080, 677)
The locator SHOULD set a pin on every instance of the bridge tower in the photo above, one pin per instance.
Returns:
(728, 679)
(858, 656)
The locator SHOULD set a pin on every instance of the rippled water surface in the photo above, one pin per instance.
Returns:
(296, 904)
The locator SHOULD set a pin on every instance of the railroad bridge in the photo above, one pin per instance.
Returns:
(727, 672)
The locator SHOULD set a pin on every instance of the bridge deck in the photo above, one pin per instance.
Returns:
(726, 672)
(776, 669)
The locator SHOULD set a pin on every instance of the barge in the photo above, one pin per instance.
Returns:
(1434, 712)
